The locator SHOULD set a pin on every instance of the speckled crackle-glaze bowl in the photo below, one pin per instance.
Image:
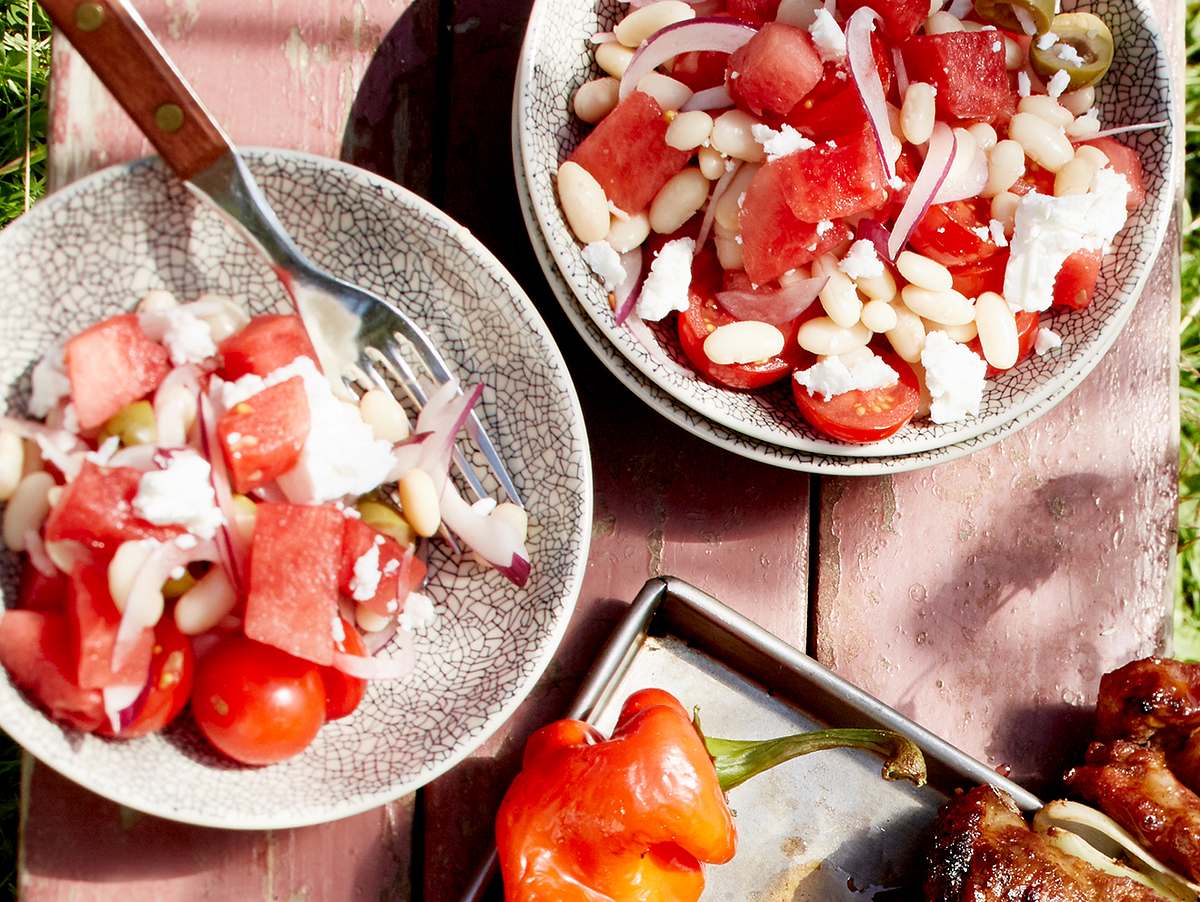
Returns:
(557, 58)
(91, 250)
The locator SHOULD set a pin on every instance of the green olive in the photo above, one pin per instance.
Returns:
(1000, 13)
(1091, 41)
(133, 424)
(173, 588)
(387, 520)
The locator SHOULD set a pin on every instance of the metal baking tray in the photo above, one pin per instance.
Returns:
(822, 828)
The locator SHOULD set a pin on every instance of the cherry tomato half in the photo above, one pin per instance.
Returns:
(172, 665)
(255, 703)
(863, 416)
(974, 279)
(342, 691)
(947, 232)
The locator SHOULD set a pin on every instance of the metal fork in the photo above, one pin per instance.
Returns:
(123, 52)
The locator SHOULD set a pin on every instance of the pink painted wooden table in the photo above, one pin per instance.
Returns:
(983, 597)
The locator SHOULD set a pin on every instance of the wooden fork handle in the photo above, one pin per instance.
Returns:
(122, 51)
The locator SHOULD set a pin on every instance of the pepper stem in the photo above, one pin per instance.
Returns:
(739, 760)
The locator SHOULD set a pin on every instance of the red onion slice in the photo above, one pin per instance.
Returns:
(443, 418)
(231, 546)
(710, 213)
(1126, 129)
(702, 7)
(641, 332)
(138, 457)
(701, 33)
(36, 549)
(775, 307)
(63, 449)
(717, 98)
(489, 537)
(901, 71)
(630, 288)
(122, 704)
(859, 27)
(395, 666)
(877, 233)
(965, 178)
(938, 160)
(172, 400)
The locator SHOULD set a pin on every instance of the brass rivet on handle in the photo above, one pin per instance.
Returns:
(89, 16)
(168, 117)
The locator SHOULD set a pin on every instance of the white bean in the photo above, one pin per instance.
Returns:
(689, 130)
(368, 621)
(943, 23)
(1006, 164)
(225, 316)
(1014, 55)
(712, 164)
(174, 413)
(838, 296)
(1004, 210)
(825, 337)
(514, 516)
(65, 553)
(419, 501)
(985, 136)
(12, 463)
(27, 509)
(907, 337)
(729, 252)
(918, 113)
(641, 23)
(878, 288)
(745, 341)
(678, 200)
(245, 513)
(626, 234)
(962, 333)
(1075, 178)
(924, 272)
(670, 93)
(1046, 107)
(583, 201)
(997, 330)
(1098, 158)
(1080, 100)
(1083, 127)
(948, 307)
(204, 605)
(729, 207)
(879, 316)
(157, 300)
(613, 58)
(124, 567)
(1044, 143)
(731, 135)
(384, 415)
(597, 98)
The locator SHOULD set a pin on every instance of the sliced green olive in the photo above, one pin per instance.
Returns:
(387, 520)
(173, 588)
(1084, 50)
(1000, 13)
(133, 424)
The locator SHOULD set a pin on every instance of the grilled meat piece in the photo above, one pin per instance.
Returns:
(1146, 697)
(1133, 786)
(983, 851)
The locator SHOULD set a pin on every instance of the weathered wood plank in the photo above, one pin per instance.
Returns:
(303, 63)
(666, 502)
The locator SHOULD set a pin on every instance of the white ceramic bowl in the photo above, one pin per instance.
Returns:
(92, 249)
(557, 57)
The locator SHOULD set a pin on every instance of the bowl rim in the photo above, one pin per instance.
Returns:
(70, 767)
(1049, 392)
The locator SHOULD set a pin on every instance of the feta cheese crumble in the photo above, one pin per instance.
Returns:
(1046, 341)
(364, 581)
(187, 338)
(833, 376)
(1068, 54)
(1047, 40)
(50, 383)
(996, 228)
(780, 143)
(1058, 83)
(824, 226)
(606, 263)
(1050, 229)
(982, 232)
(1023, 85)
(180, 494)
(827, 37)
(954, 376)
(418, 613)
(861, 261)
(666, 288)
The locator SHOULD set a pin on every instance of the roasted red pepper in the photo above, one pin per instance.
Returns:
(633, 818)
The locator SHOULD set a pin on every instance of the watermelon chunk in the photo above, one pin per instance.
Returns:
(263, 436)
(967, 68)
(773, 239)
(35, 647)
(1127, 162)
(97, 509)
(1075, 284)
(901, 18)
(628, 154)
(755, 12)
(94, 619)
(267, 343)
(40, 592)
(774, 70)
(111, 364)
(836, 178)
(395, 566)
(834, 108)
(295, 557)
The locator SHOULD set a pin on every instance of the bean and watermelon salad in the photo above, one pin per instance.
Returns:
(203, 518)
(880, 201)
